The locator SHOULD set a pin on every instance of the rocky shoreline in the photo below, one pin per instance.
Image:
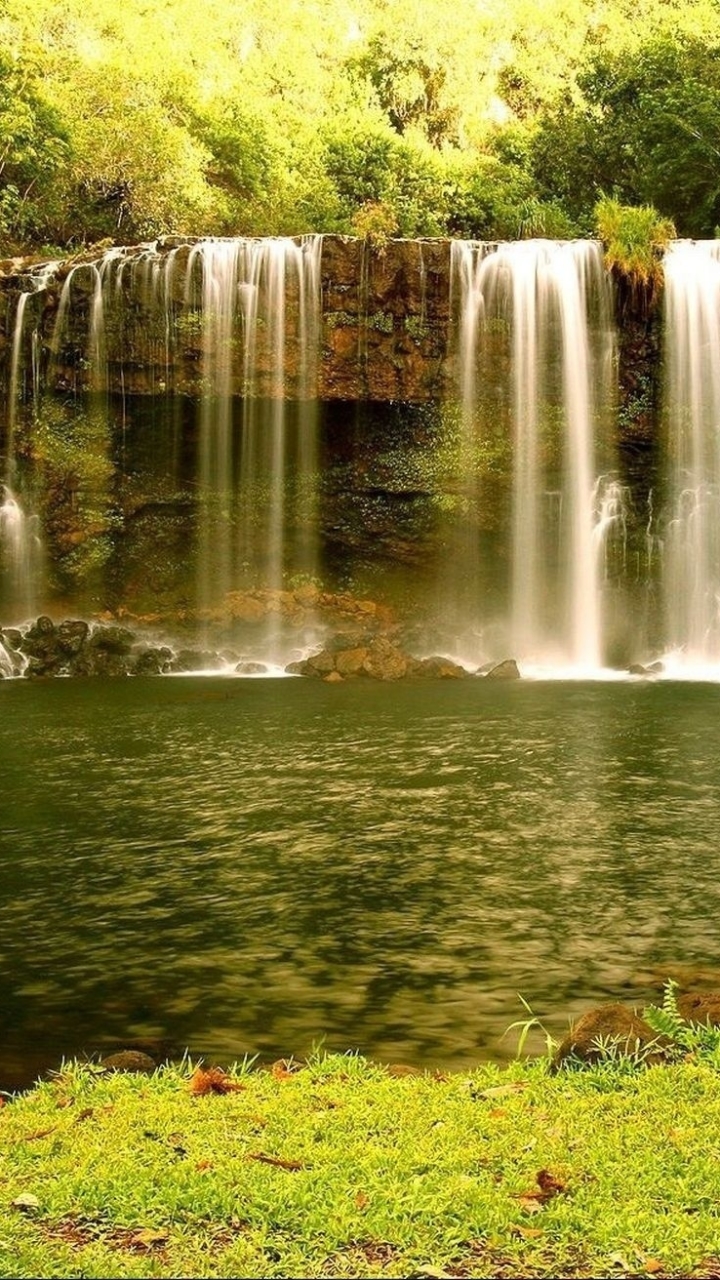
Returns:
(74, 647)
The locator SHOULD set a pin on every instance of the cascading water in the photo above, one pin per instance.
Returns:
(554, 299)
(692, 410)
(21, 550)
(260, 307)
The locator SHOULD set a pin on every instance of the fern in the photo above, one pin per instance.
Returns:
(667, 1019)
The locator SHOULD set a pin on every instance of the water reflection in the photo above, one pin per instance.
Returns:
(256, 865)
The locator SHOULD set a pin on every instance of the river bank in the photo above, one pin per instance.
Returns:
(340, 1167)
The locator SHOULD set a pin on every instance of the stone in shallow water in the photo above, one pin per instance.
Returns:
(247, 668)
(507, 670)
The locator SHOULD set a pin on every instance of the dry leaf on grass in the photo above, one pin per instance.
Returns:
(291, 1166)
(284, 1069)
(548, 1187)
(361, 1200)
(205, 1080)
(37, 1133)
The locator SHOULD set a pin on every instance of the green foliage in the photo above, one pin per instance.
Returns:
(635, 239)
(273, 118)
(702, 1042)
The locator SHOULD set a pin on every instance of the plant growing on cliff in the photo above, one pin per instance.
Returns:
(635, 238)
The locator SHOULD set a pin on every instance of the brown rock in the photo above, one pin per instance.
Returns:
(129, 1060)
(507, 670)
(333, 677)
(320, 663)
(350, 661)
(384, 661)
(609, 1022)
(699, 1007)
(438, 668)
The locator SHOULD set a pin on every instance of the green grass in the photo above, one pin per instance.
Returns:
(383, 1175)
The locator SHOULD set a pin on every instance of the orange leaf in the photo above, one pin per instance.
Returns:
(361, 1200)
(284, 1069)
(292, 1166)
(653, 1266)
(203, 1166)
(85, 1114)
(212, 1080)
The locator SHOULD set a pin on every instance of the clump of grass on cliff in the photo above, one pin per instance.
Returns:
(634, 238)
(345, 1169)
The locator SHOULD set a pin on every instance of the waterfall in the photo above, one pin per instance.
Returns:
(260, 309)
(21, 550)
(692, 411)
(553, 300)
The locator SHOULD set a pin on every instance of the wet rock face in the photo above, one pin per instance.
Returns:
(384, 327)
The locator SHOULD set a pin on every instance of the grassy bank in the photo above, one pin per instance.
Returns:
(344, 1168)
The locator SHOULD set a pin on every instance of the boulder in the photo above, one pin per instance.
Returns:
(613, 1023)
(112, 639)
(152, 662)
(700, 1007)
(384, 661)
(246, 668)
(131, 1060)
(197, 660)
(438, 668)
(506, 670)
(350, 662)
(72, 634)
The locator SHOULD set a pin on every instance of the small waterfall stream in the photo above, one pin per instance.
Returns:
(21, 546)
(554, 298)
(692, 409)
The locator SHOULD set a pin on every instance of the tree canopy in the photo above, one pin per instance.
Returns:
(498, 118)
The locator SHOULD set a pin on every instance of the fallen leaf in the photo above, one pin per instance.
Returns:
(26, 1203)
(85, 1114)
(529, 1233)
(148, 1239)
(497, 1113)
(653, 1266)
(38, 1133)
(361, 1200)
(291, 1165)
(203, 1166)
(284, 1069)
(212, 1080)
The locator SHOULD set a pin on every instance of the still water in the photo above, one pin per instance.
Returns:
(246, 866)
